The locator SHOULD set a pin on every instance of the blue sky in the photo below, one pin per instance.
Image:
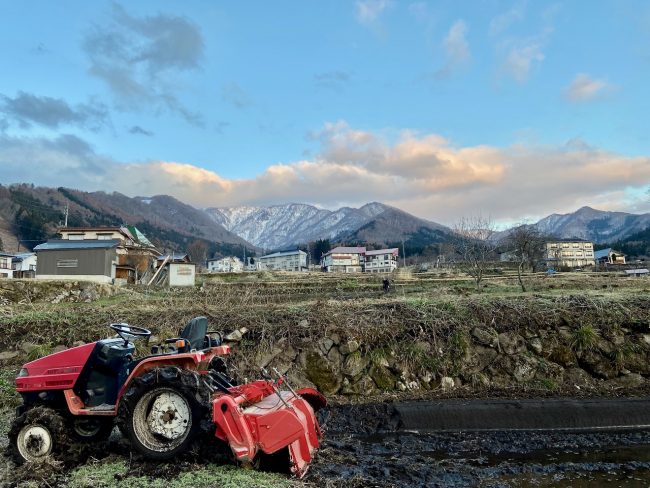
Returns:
(441, 108)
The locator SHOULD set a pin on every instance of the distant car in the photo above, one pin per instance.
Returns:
(550, 271)
(578, 269)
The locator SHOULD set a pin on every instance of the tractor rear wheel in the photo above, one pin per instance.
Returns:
(161, 412)
(38, 434)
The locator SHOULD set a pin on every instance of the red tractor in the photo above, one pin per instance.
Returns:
(161, 401)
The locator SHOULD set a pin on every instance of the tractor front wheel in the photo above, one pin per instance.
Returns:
(36, 435)
(161, 412)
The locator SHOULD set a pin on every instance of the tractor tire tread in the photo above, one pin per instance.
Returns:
(189, 383)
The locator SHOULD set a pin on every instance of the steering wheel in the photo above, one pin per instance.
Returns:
(123, 328)
(214, 332)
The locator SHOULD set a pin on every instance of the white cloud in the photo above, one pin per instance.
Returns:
(456, 48)
(369, 11)
(522, 57)
(421, 173)
(583, 88)
(503, 21)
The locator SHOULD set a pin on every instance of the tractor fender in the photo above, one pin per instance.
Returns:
(188, 361)
(312, 396)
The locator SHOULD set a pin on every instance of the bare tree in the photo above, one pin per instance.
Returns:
(527, 245)
(475, 243)
(198, 251)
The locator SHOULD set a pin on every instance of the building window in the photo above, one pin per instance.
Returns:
(104, 237)
(75, 237)
(67, 263)
(4, 263)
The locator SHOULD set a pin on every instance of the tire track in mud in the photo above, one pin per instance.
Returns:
(370, 445)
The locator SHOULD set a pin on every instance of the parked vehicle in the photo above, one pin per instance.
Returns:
(158, 401)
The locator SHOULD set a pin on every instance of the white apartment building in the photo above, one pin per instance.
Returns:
(229, 264)
(381, 260)
(344, 260)
(284, 261)
(570, 253)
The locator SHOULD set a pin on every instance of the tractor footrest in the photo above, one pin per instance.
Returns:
(104, 407)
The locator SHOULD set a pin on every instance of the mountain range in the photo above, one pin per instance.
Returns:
(31, 214)
(281, 226)
(594, 225)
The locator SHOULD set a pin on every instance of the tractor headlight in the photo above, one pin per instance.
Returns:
(23, 372)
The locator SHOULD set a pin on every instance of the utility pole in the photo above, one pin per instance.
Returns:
(67, 209)
(244, 255)
(403, 255)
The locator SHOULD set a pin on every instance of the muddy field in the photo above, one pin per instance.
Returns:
(364, 447)
(369, 451)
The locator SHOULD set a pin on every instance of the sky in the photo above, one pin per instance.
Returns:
(446, 109)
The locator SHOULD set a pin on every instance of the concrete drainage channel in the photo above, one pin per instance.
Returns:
(492, 443)
(543, 415)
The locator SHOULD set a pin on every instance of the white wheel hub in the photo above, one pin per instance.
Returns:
(169, 416)
(35, 442)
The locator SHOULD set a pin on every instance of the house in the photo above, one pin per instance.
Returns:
(174, 269)
(136, 254)
(381, 260)
(88, 260)
(24, 265)
(344, 260)
(609, 256)
(569, 253)
(230, 264)
(284, 261)
(6, 267)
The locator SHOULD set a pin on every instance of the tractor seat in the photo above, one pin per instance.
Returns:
(195, 335)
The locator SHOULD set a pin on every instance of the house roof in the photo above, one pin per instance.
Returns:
(175, 257)
(551, 241)
(6, 255)
(129, 231)
(283, 253)
(23, 256)
(347, 250)
(603, 253)
(392, 250)
(65, 244)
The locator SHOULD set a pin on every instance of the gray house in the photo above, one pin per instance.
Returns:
(88, 260)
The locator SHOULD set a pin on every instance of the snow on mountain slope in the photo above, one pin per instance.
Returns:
(281, 226)
(595, 225)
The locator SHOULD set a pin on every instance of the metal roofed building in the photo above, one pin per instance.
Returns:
(381, 260)
(609, 256)
(285, 261)
(88, 260)
(344, 260)
(135, 253)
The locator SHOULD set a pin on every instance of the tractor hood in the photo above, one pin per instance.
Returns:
(58, 371)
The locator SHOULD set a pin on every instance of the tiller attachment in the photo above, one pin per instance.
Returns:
(258, 419)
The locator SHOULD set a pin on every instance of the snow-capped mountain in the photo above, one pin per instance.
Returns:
(279, 226)
(595, 225)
